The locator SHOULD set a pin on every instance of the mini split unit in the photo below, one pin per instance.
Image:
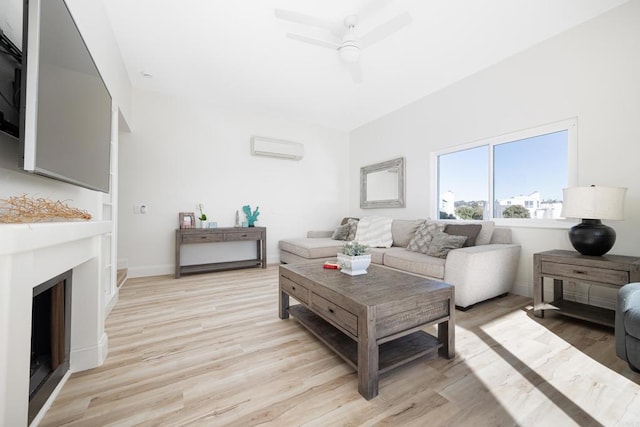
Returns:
(276, 148)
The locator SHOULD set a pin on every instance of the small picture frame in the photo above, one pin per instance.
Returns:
(213, 224)
(187, 220)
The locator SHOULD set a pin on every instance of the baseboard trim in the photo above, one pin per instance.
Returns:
(84, 358)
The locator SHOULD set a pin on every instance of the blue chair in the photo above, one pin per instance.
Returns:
(628, 325)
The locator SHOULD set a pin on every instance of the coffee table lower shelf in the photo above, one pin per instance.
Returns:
(391, 354)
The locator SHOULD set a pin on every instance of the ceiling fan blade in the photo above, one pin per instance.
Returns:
(301, 18)
(371, 7)
(385, 30)
(317, 42)
(356, 72)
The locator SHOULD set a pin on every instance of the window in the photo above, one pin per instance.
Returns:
(520, 175)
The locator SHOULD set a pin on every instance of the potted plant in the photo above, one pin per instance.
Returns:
(203, 216)
(354, 259)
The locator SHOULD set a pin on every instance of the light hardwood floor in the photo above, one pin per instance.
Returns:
(210, 350)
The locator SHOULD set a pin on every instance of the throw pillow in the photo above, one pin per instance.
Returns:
(442, 243)
(341, 232)
(422, 239)
(353, 228)
(469, 230)
(375, 232)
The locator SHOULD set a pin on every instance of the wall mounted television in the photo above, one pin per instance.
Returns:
(65, 120)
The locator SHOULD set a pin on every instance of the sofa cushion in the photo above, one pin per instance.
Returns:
(375, 231)
(378, 254)
(471, 231)
(442, 243)
(353, 228)
(414, 262)
(423, 236)
(403, 230)
(312, 248)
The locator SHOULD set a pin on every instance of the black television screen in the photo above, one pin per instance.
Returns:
(66, 130)
(10, 80)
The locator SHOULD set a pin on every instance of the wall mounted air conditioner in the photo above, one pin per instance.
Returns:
(276, 148)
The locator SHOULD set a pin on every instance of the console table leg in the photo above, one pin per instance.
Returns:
(447, 333)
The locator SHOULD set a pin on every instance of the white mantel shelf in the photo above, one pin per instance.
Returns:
(17, 238)
(30, 254)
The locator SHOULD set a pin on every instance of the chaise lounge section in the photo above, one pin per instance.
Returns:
(479, 272)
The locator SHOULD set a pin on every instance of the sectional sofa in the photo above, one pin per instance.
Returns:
(479, 272)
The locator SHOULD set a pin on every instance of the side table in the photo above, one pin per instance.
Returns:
(612, 271)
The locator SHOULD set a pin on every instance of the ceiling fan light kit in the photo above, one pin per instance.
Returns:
(352, 45)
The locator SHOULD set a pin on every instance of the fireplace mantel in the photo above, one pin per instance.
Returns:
(29, 255)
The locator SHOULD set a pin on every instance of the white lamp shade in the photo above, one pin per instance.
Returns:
(593, 202)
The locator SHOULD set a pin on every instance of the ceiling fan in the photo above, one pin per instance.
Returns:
(343, 35)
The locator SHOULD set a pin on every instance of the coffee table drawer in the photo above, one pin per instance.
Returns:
(335, 314)
(603, 275)
(295, 290)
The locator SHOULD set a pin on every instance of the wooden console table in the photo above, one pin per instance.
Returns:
(612, 271)
(217, 235)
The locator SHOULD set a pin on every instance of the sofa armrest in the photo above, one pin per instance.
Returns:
(481, 272)
(628, 297)
(314, 234)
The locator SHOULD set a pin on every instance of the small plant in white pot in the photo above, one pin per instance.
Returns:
(354, 259)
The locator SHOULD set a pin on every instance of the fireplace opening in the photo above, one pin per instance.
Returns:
(50, 339)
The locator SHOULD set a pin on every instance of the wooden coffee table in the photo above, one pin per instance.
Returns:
(373, 321)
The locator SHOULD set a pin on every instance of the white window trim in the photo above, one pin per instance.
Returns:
(570, 125)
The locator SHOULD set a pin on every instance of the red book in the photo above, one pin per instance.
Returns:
(331, 265)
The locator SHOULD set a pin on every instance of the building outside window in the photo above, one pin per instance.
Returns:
(519, 175)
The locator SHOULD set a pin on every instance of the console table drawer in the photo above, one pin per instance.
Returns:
(336, 314)
(292, 288)
(593, 274)
(242, 235)
(202, 238)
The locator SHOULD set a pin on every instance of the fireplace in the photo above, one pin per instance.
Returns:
(50, 339)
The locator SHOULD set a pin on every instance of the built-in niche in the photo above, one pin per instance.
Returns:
(382, 185)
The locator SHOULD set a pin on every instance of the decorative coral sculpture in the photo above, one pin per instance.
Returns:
(251, 217)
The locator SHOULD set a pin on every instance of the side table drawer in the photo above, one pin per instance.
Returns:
(295, 290)
(202, 238)
(338, 315)
(594, 274)
(242, 235)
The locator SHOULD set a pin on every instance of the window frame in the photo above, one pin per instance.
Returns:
(570, 125)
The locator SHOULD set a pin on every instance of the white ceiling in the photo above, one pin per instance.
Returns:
(234, 53)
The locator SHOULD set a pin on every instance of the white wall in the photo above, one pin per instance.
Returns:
(591, 72)
(182, 153)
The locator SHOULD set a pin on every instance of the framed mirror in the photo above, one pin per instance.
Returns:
(382, 185)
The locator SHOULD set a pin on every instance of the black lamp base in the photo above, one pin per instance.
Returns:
(592, 237)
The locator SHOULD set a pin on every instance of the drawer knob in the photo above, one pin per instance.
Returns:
(330, 310)
(293, 287)
(579, 272)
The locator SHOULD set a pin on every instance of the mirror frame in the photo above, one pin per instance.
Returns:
(378, 167)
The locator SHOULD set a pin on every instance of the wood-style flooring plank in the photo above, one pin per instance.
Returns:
(210, 350)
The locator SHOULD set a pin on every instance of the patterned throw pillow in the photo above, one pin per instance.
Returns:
(341, 232)
(420, 242)
(353, 228)
(442, 243)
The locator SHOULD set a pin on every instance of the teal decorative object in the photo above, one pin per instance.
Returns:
(251, 217)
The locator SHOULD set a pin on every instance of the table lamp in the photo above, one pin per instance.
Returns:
(591, 205)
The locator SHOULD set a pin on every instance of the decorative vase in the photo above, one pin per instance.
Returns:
(354, 265)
